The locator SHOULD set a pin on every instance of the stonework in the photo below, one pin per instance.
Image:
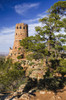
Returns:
(21, 32)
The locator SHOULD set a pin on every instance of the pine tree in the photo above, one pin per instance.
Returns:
(50, 42)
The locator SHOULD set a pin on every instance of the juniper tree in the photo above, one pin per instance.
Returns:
(49, 40)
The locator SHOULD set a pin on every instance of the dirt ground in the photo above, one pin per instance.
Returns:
(43, 95)
(49, 95)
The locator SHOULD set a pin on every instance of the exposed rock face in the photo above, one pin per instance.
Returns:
(36, 74)
(36, 70)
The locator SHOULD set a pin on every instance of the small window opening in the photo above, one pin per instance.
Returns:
(23, 27)
(15, 54)
(11, 54)
(18, 52)
(20, 27)
(15, 47)
(19, 40)
(16, 33)
(17, 27)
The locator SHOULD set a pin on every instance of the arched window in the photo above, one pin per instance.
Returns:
(17, 27)
(24, 27)
(16, 33)
(15, 47)
(20, 27)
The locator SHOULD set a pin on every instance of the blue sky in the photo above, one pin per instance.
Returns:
(20, 11)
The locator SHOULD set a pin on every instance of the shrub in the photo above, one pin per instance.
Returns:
(31, 63)
(11, 75)
(20, 57)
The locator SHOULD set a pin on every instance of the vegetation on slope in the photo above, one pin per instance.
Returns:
(11, 75)
(45, 45)
(50, 43)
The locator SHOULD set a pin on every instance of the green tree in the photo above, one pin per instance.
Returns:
(58, 8)
(11, 75)
(49, 42)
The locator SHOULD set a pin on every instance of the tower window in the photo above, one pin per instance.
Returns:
(19, 53)
(20, 27)
(17, 27)
(15, 47)
(19, 40)
(15, 54)
(23, 27)
(22, 55)
(11, 54)
(16, 33)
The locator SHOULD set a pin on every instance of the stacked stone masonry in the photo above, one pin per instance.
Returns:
(21, 32)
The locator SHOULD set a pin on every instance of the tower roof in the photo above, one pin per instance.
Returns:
(21, 24)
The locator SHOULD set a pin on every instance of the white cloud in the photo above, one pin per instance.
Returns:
(7, 30)
(31, 28)
(6, 41)
(6, 38)
(7, 33)
(30, 20)
(21, 9)
(35, 20)
(32, 23)
(43, 14)
(63, 17)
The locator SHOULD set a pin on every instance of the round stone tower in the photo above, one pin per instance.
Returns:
(21, 32)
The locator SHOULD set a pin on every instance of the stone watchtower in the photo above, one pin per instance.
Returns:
(21, 32)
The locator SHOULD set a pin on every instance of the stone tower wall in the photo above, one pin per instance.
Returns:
(21, 32)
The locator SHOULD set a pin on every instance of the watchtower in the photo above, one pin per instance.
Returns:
(21, 32)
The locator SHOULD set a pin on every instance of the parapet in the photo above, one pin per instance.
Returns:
(21, 26)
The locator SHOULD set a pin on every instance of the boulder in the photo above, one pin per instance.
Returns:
(36, 74)
(42, 92)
